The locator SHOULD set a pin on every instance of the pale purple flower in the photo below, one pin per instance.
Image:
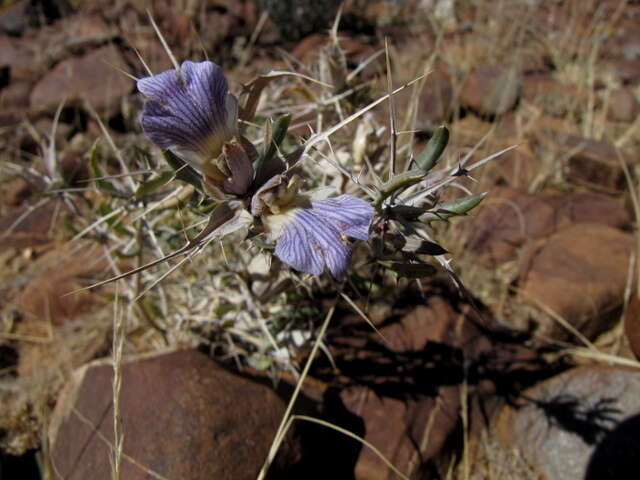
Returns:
(189, 111)
(312, 234)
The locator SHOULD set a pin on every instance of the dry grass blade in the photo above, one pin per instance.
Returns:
(320, 137)
(118, 347)
(561, 321)
(218, 218)
(364, 316)
(105, 440)
(112, 144)
(602, 357)
(165, 45)
(392, 112)
(282, 428)
(635, 201)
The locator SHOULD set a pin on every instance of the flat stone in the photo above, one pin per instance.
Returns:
(30, 225)
(403, 384)
(17, 54)
(506, 222)
(580, 273)
(295, 19)
(594, 163)
(183, 416)
(408, 432)
(13, 18)
(623, 106)
(92, 77)
(435, 101)
(516, 168)
(632, 325)
(491, 90)
(513, 218)
(627, 71)
(15, 96)
(553, 97)
(14, 191)
(590, 207)
(43, 298)
(582, 424)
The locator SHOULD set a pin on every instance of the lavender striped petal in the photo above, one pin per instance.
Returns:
(312, 239)
(186, 109)
(348, 214)
(295, 249)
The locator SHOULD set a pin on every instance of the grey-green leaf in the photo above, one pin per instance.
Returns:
(409, 270)
(184, 172)
(453, 208)
(96, 171)
(151, 185)
(428, 158)
(424, 247)
(278, 133)
(399, 182)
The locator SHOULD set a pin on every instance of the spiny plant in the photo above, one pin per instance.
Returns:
(291, 216)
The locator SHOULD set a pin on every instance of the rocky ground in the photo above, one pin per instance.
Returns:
(532, 374)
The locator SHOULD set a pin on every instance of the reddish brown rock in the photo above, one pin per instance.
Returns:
(627, 71)
(580, 274)
(491, 90)
(632, 325)
(146, 43)
(408, 432)
(13, 17)
(508, 219)
(589, 207)
(31, 55)
(470, 129)
(30, 225)
(505, 221)
(547, 93)
(73, 34)
(16, 96)
(582, 424)
(183, 416)
(516, 168)
(308, 49)
(216, 27)
(17, 54)
(623, 106)
(404, 384)
(436, 322)
(44, 297)
(14, 191)
(594, 163)
(435, 101)
(92, 77)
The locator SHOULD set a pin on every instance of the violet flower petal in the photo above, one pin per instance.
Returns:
(346, 213)
(312, 238)
(187, 110)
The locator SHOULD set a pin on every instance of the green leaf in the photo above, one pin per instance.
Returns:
(96, 172)
(423, 247)
(409, 270)
(259, 242)
(123, 255)
(399, 182)
(428, 158)
(259, 361)
(278, 133)
(149, 186)
(453, 208)
(183, 171)
(405, 212)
